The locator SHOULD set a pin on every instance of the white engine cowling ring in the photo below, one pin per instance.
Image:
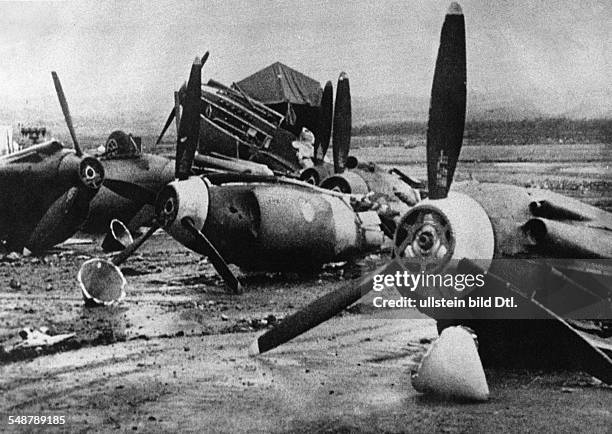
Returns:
(441, 232)
(179, 199)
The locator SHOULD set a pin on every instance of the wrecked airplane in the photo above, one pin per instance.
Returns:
(125, 164)
(240, 121)
(46, 191)
(253, 221)
(497, 231)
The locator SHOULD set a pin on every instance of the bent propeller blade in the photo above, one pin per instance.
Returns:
(316, 312)
(166, 126)
(131, 191)
(129, 250)
(206, 248)
(447, 105)
(61, 220)
(66, 111)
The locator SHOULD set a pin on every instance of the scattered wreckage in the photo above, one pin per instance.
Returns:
(237, 193)
(236, 125)
(259, 222)
(523, 241)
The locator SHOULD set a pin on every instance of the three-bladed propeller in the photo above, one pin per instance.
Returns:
(169, 201)
(64, 217)
(442, 155)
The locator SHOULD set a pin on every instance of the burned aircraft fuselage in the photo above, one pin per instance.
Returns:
(270, 226)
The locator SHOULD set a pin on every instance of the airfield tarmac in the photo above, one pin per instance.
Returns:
(172, 355)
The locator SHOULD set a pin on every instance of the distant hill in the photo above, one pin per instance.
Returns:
(484, 106)
(99, 118)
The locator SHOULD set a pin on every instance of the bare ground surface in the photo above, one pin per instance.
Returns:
(172, 355)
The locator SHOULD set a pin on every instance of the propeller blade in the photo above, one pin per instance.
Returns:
(447, 105)
(129, 250)
(326, 114)
(66, 111)
(204, 247)
(166, 126)
(62, 219)
(177, 110)
(188, 137)
(341, 138)
(316, 312)
(131, 191)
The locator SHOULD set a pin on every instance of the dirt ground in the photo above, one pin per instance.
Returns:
(173, 355)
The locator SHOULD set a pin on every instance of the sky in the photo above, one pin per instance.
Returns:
(123, 56)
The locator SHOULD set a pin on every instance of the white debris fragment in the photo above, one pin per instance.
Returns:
(40, 338)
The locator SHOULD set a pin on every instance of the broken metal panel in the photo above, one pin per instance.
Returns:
(224, 115)
(548, 342)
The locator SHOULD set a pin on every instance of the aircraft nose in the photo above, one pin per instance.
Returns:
(180, 199)
(438, 233)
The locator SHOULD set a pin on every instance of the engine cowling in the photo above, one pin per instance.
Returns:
(437, 233)
(179, 199)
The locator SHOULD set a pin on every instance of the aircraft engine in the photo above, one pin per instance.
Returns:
(438, 233)
(91, 173)
(82, 177)
(86, 171)
(347, 182)
(179, 199)
(314, 175)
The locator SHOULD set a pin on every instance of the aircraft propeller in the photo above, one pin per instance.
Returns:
(447, 116)
(179, 208)
(70, 210)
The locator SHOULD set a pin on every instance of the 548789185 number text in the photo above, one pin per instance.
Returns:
(36, 420)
